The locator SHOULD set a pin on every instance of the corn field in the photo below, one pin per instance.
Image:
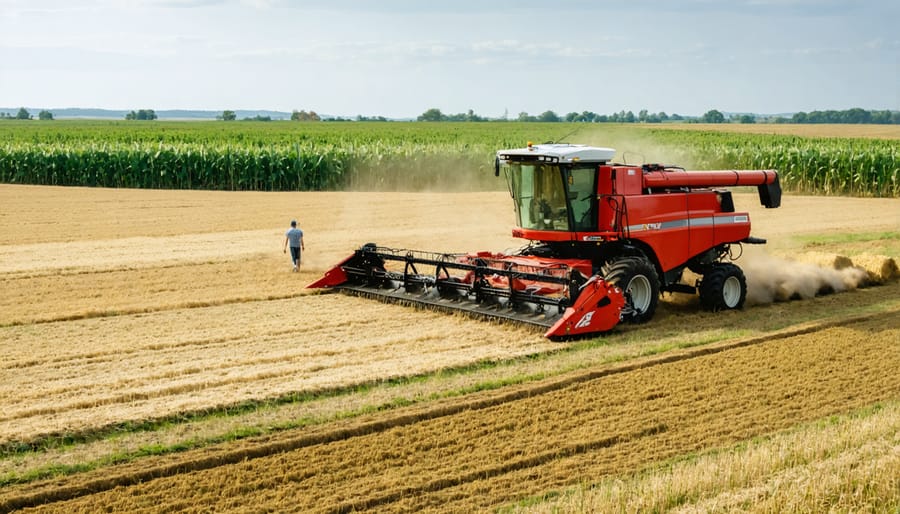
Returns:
(829, 166)
(394, 156)
(256, 156)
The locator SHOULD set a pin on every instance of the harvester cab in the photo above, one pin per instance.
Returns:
(604, 240)
(554, 188)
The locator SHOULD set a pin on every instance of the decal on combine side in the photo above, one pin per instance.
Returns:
(585, 320)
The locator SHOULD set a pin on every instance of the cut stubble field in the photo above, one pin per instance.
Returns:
(123, 306)
(475, 457)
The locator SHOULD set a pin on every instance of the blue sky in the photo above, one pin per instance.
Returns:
(398, 58)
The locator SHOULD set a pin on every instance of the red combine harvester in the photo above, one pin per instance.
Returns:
(604, 241)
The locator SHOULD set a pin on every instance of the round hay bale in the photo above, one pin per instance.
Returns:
(879, 268)
(826, 260)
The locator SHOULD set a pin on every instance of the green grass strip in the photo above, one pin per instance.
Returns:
(851, 237)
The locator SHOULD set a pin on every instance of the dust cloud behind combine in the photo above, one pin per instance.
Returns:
(772, 279)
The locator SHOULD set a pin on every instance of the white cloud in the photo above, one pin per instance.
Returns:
(178, 4)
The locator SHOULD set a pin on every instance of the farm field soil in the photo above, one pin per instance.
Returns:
(194, 320)
(120, 306)
(540, 438)
(69, 253)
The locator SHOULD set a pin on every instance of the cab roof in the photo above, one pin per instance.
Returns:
(558, 152)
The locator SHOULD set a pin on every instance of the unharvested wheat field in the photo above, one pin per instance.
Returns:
(158, 354)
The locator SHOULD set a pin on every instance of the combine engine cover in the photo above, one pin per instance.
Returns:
(560, 295)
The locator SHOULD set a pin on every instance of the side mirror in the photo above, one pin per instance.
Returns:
(496, 166)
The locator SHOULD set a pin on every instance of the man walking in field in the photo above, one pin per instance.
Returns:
(294, 237)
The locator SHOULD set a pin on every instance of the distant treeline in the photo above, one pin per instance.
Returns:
(850, 116)
(853, 116)
(643, 116)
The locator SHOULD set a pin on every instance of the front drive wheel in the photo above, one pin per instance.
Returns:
(723, 288)
(638, 279)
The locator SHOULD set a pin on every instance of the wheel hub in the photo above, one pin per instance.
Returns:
(640, 292)
(731, 292)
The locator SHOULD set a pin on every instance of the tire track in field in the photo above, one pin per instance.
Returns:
(138, 472)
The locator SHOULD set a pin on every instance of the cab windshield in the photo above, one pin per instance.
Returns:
(553, 197)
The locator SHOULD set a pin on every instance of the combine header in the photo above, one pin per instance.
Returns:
(604, 241)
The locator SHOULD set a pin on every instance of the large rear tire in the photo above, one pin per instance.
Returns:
(723, 288)
(638, 279)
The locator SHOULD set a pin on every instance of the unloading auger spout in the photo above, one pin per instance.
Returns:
(560, 295)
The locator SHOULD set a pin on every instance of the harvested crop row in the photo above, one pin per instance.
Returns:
(632, 342)
(478, 459)
(845, 463)
(71, 376)
(62, 296)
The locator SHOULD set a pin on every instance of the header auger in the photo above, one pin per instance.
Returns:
(539, 291)
(604, 241)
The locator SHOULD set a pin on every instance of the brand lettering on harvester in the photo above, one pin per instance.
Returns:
(585, 320)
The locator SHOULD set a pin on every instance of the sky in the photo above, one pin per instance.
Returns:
(399, 58)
